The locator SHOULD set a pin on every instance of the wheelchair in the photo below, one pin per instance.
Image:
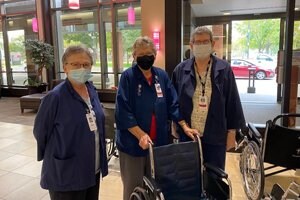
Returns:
(277, 145)
(110, 140)
(178, 172)
(292, 192)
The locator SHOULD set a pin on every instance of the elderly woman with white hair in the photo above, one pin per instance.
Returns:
(70, 133)
(208, 98)
(146, 101)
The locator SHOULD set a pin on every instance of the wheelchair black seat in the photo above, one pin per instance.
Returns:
(177, 170)
(282, 146)
(177, 173)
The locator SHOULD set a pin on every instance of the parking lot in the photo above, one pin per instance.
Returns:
(266, 86)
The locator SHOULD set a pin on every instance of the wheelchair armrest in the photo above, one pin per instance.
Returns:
(217, 171)
(151, 184)
(254, 131)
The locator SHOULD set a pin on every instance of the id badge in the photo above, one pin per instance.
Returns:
(91, 121)
(158, 90)
(203, 103)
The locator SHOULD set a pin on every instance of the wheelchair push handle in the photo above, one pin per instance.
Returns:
(151, 157)
(285, 115)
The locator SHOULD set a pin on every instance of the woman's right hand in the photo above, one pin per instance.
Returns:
(141, 136)
(191, 132)
(144, 141)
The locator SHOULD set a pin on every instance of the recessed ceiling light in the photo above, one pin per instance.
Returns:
(226, 13)
(296, 8)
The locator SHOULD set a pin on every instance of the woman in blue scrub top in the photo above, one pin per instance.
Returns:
(208, 98)
(146, 101)
(69, 130)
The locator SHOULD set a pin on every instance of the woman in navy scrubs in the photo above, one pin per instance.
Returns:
(69, 129)
(208, 98)
(146, 101)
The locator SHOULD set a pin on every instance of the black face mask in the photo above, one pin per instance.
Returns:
(145, 62)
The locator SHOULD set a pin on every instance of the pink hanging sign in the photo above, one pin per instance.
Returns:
(131, 15)
(74, 4)
(156, 39)
(35, 25)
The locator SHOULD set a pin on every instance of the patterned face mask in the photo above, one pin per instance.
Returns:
(202, 51)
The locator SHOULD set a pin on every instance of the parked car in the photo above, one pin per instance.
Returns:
(241, 69)
(266, 60)
(264, 57)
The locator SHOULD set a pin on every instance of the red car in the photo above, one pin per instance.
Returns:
(241, 69)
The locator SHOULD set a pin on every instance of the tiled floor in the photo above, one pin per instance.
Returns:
(20, 172)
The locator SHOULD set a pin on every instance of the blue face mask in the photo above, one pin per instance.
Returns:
(80, 75)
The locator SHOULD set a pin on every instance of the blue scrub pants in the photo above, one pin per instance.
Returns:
(214, 154)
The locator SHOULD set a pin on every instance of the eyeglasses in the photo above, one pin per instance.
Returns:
(78, 65)
(202, 42)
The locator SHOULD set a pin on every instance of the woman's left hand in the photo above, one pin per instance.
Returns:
(230, 139)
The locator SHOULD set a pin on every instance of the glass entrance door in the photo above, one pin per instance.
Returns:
(18, 70)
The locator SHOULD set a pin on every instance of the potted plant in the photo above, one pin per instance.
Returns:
(41, 54)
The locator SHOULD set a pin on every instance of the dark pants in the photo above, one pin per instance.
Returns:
(132, 171)
(214, 154)
(90, 193)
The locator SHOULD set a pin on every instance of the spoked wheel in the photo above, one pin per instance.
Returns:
(139, 194)
(111, 149)
(252, 171)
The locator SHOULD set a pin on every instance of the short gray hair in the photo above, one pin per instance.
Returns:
(143, 42)
(76, 49)
(201, 30)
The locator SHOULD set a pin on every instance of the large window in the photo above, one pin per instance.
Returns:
(18, 30)
(296, 42)
(107, 61)
(256, 39)
(3, 76)
(103, 27)
(65, 3)
(79, 28)
(126, 35)
(13, 7)
(16, 27)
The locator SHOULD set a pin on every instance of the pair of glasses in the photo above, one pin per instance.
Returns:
(201, 42)
(79, 65)
(141, 55)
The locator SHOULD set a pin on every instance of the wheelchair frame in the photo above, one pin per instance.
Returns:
(253, 157)
(292, 192)
(153, 192)
(110, 129)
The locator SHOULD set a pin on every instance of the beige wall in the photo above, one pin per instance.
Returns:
(153, 18)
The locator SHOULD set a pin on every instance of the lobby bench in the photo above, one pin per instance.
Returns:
(31, 101)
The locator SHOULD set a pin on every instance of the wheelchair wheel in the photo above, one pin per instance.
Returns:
(139, 194)
(252, 170)
(111, 149)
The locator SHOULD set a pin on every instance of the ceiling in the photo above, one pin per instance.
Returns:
(206, 8)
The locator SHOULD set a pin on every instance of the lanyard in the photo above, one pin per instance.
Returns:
(205, 78)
